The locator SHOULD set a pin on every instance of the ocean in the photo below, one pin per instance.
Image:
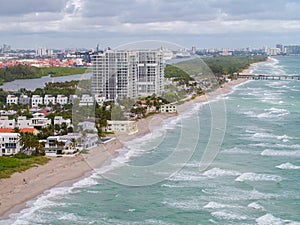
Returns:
(254, 178)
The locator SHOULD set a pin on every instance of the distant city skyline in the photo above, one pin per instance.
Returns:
(204, 24)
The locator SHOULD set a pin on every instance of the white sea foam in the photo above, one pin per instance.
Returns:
(268, 219)
(187, 176)
(185, 205)
(229, 215)
(49, 199)
(69, 217)
(288, 166)
(258, 177)
(235, 150)
(273, 113)
(281, 146)
(269, 152)
(271, 136)
(216, 205)
(235, 194)
(217, 172)
(255, 205)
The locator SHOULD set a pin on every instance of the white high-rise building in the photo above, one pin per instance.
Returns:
(119, 74)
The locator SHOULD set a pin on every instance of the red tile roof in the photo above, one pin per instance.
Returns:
(23, 130)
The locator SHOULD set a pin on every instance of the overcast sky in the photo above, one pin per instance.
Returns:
(200, 23)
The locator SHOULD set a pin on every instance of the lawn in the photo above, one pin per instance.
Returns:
(19, 163)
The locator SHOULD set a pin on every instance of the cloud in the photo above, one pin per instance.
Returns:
(17, 7)
(136, 18)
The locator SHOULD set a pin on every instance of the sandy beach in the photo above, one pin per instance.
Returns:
(14, 192)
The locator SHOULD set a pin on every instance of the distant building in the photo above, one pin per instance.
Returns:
(41, 52)
(100, 99)
(86, 100)
(293, 49)
(72, 99)
(49, 99)
(24, 100)
(11, 99)
(10, 143)
(61, 99)
(36, 100)
(119, 74)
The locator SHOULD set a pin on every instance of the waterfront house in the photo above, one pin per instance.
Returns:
(121, 126)
(168, 108)
(58, 146)
(10, 143)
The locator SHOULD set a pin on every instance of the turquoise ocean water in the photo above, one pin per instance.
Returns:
(255, 178)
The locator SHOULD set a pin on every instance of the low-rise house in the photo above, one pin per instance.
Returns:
(72, 99)
(86, 100)
(5, 122)
(168, 108)
(59, 120)
(23, 122)
(59, 146)
(10, 143)
(39, 121)
(49, 99)
(8, 112)
(87, 126)
(121, 126)
(12, 99)
(24, 100)
(100, 99)
(36, 100)
(89, 141)
(83, 140)
(61, 99)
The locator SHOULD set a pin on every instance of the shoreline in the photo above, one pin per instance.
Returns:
(14, 194)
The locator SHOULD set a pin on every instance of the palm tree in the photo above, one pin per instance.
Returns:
(29, 142)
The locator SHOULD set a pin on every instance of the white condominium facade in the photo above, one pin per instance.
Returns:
(119, 74)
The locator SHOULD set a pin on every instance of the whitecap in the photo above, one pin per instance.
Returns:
(217, 172)
(271, 136)
(216, 205)
(268, 219)
(235, 150)
(269, 152)
(229, 216)
(288, 166)
(258, 177)
(255, 205)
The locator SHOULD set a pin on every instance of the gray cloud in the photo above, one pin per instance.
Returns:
(129, 19)
(17, 7)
